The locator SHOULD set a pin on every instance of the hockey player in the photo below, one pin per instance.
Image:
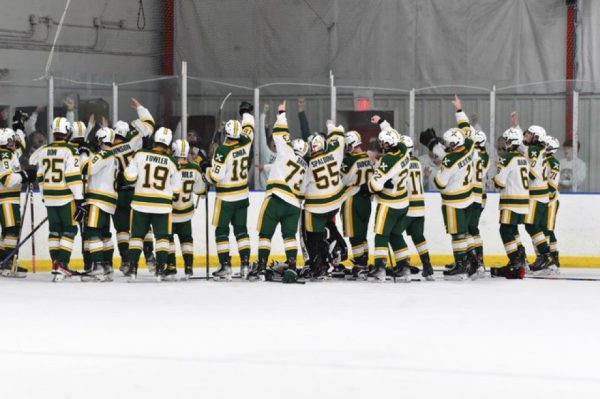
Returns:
(481, 166)
(192, 182)
(388, 185)
(536, 220)
(325, 193)
(415, 218)
(128, 139)
(512, 181)
(283, 197)
(156, 180)
(101, 170)
(356, 210)
(229, 174)
(455, 181)
(59, 177)
(553, 168)
(11, 179)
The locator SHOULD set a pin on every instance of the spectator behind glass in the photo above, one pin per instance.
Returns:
(570, 168)
(4, 117)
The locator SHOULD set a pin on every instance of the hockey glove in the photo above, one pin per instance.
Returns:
(31, 175)
(428, 138)
(389, 184)
(81, 210)
(246, 107)
(19, 120)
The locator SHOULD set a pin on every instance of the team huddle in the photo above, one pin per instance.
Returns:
(144, 181)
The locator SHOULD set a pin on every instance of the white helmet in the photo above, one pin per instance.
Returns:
(352, 140)
(105, 135)
(121, 129)
(453, 138)
(78, 130)
(552, 144)
(61, 125)
(388, 139)
(181, 148)
(407, 141)
(512, 137)
(164, 136)
(538, 132)
(7, 135)
(479, 138)
(20, 138)
(300, 147)
(233, 129)
(316, 141)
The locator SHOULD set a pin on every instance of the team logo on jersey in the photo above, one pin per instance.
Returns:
(383, 166)
(446, 161)
(218, 157)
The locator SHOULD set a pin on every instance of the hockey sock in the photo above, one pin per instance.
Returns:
(9, 241)
(264, 248)
(54, 245)
(66, 245)
(123, 243)
(171, 256)
(358, 248)
(381, 249)
(148, 245)
(553, 242)
(399, 247)
(508, 239)
(135, 249)
(459, 246)
(187, 249)
(291, 246)
(538, 238)
(162, 249)
(222, 239)
(109, 250)
(243, 243)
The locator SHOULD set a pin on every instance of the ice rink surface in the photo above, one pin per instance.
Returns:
(492, 338)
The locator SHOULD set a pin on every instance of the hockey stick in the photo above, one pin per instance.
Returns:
(391, 263)
(32, 225)
(218, 126)
(23, 241)
(559, 278)
(206, 236)
(14, 260)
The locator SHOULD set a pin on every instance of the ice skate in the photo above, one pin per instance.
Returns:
(150, 262)
(224, 273)
(60, 271)
(15, 271)
(125, 268)
(377, 274)
(472, 267)
(457, 273)
(523, 259)
(95, 272)
(188, 271)
(159, 271)
(244, 269)
(543, 265)
(108, 271)
(427, 271)
(169, 273)
(258, 271)
(402, 274)
(132, 272)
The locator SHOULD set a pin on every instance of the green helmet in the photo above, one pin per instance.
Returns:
(289, 276)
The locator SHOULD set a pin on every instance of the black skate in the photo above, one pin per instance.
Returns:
(473, 266)
(427, 270)
(13, 271)
(151, 262)
(556, 260)
(224, 273)
(95, 272)
(377, 274)
(189, 271)
(125, 268)
(513, 270)
(159, 271)
(340, 271)
(543, 265)
(132, 271)
(522, 257)
(258, 271)
(169, 273)
(108, 271)
(244, 269)
(457, 273)
(402, 273)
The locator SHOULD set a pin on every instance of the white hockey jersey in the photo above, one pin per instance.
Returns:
(287, 178)
(456, 176)
(156, 179)
(482, 165)
(192, 182)
(59, 173)
(101, 170)
(512, 181)
(388, 183)
(230, 164)
(538, 173)
(325, 190)
(10, 179)
(414, 185)
(356, 172)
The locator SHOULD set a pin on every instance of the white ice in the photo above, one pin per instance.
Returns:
(492, 338)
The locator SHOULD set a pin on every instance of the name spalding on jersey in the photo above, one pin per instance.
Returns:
(322, 160)
(121, 148)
